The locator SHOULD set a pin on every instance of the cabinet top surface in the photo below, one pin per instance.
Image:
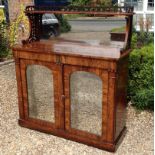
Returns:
(84, 48)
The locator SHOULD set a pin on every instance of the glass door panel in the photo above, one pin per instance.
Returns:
(40, 93)
(86, 102)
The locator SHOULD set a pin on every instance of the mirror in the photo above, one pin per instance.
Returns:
(85, 29)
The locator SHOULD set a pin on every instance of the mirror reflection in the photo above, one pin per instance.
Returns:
(87, 29)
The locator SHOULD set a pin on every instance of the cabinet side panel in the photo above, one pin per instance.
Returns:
(121, 95)
(19, 86)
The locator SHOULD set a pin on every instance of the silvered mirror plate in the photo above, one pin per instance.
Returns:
(86, 102)
(89, 30)
(40, 93)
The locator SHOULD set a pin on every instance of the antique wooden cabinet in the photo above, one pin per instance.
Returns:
(73, 89)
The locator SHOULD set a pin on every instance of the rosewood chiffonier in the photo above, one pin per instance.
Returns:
(70, 88)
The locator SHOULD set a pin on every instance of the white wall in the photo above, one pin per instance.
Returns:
(141, 13)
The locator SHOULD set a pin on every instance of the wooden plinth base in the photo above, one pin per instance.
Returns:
(64, 134)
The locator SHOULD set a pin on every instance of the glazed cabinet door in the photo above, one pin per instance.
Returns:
(42, 89)
(86, 92)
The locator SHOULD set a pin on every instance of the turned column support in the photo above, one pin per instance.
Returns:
(35, 21)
